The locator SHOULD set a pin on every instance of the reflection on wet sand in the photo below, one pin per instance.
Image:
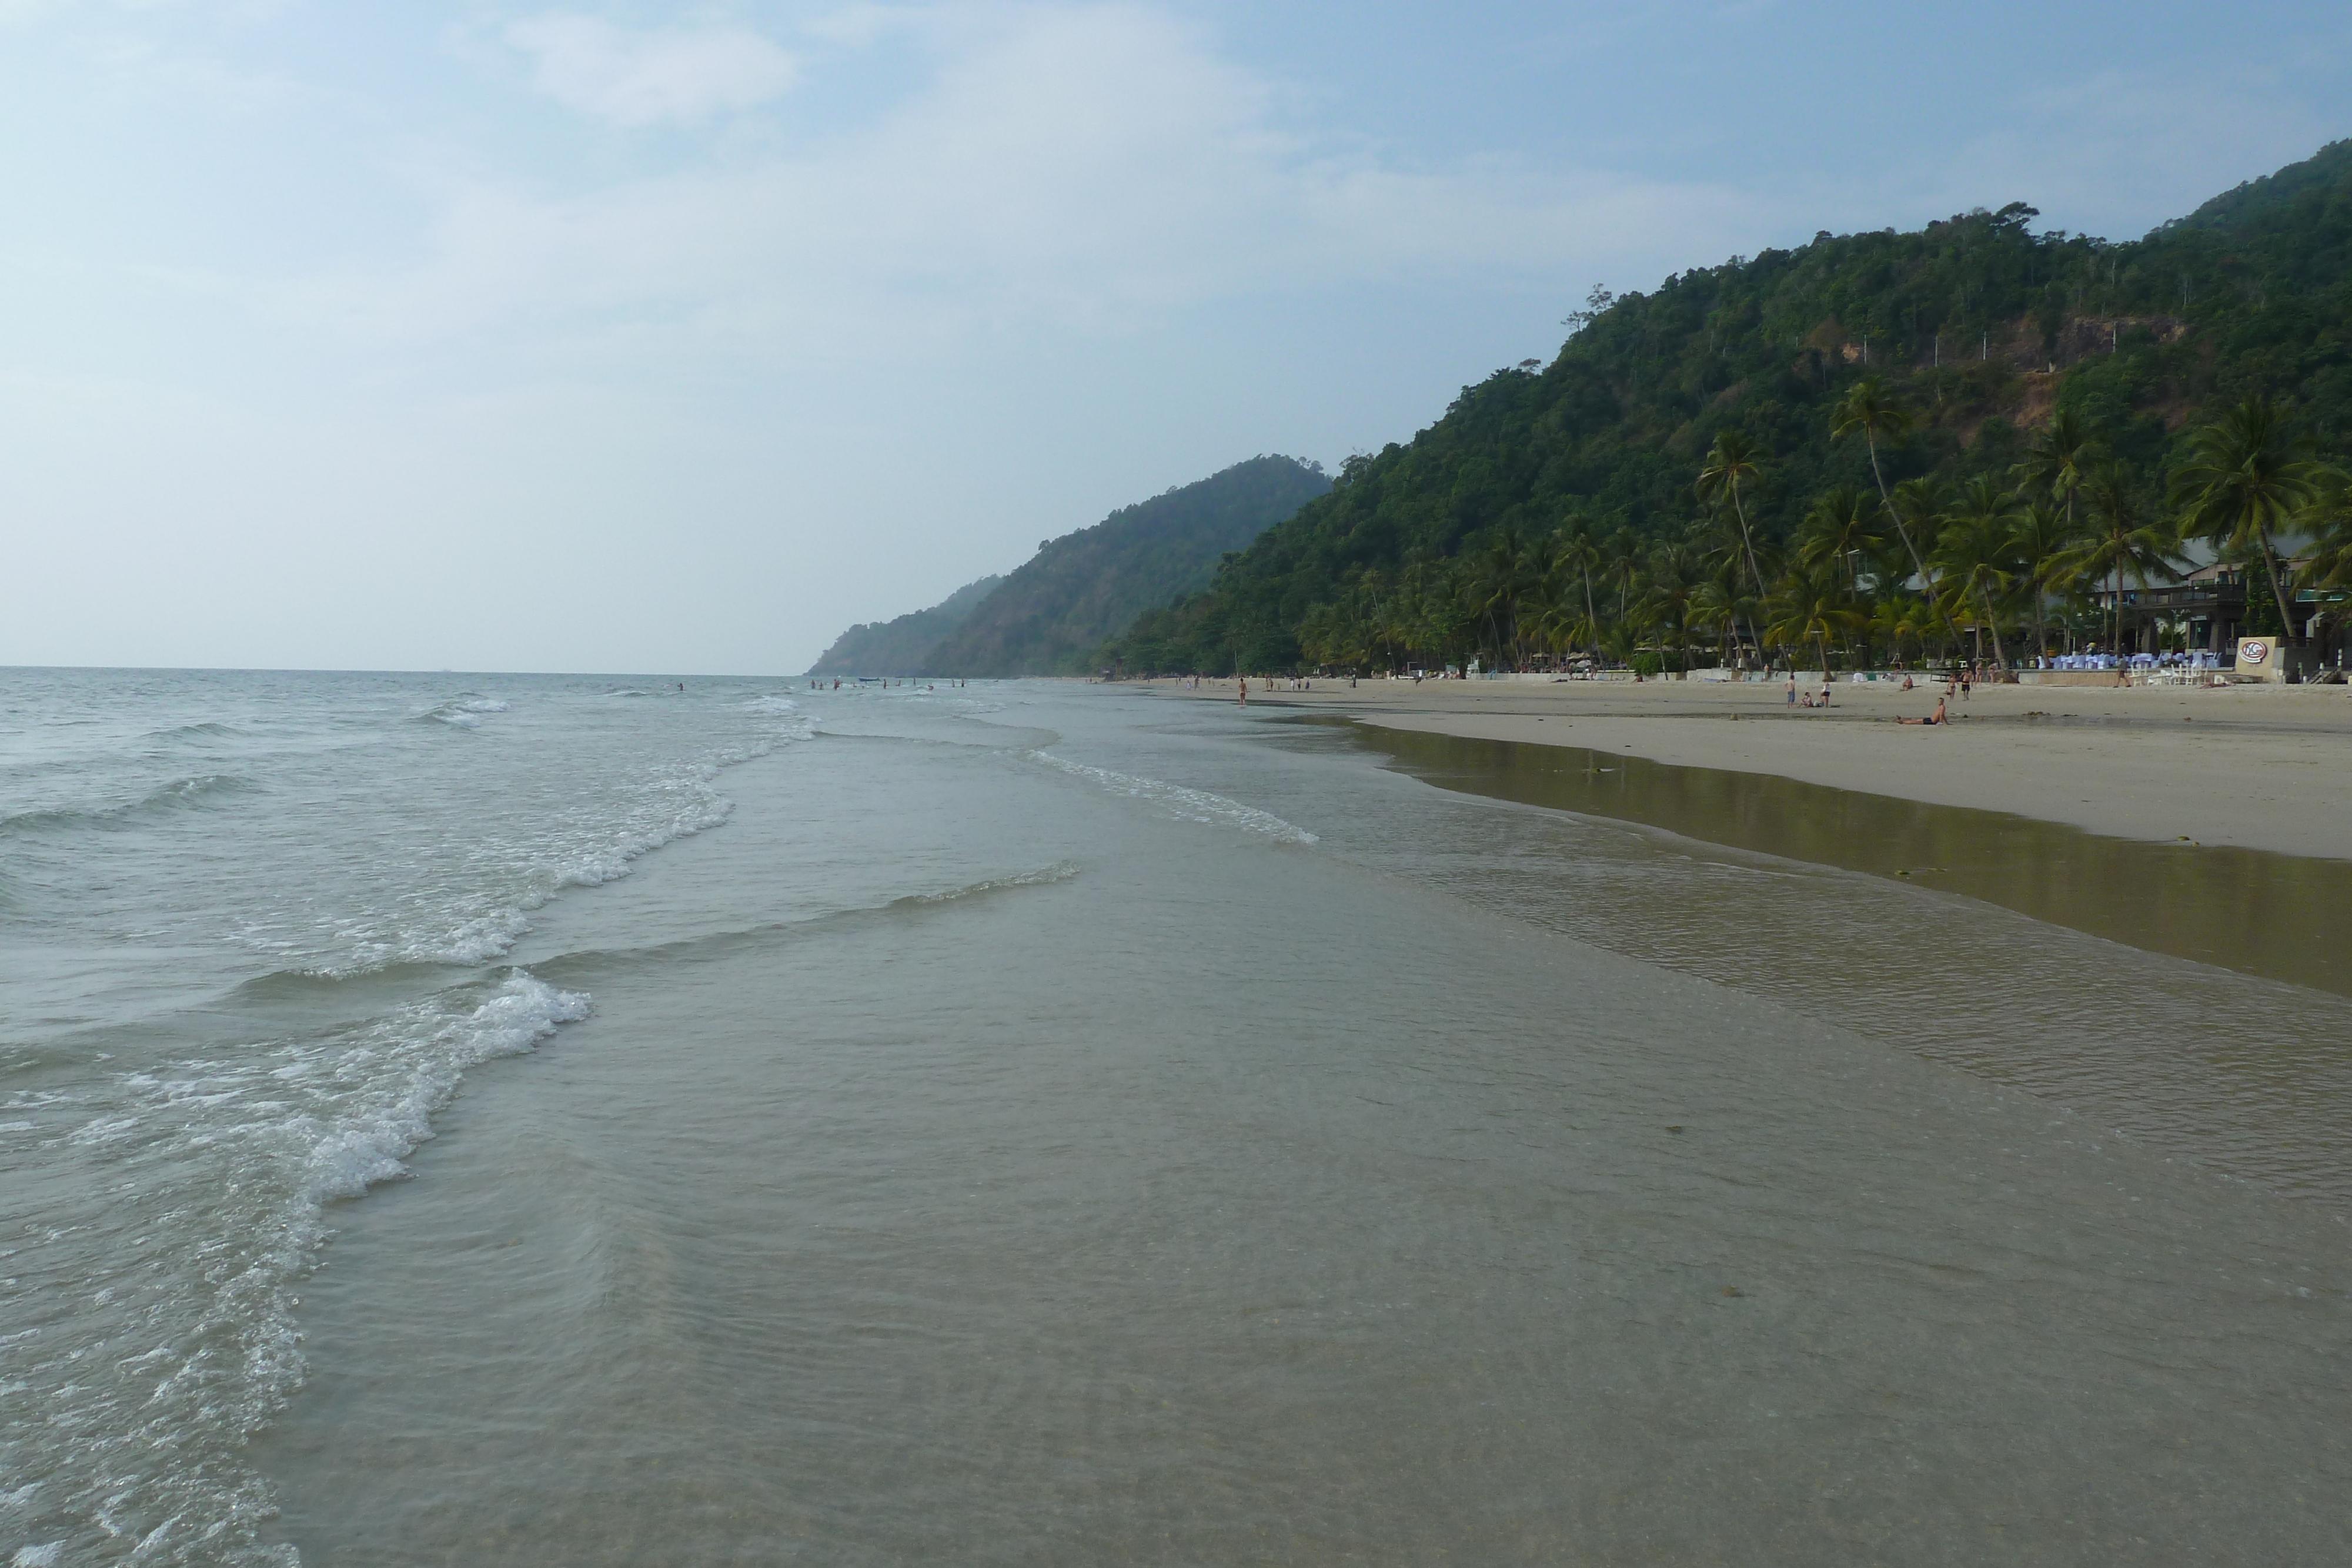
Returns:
(2248, 910)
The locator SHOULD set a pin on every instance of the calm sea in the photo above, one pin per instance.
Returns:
(538, 1120)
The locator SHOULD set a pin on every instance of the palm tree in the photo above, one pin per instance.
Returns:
(1622, 564)
(1673, 579)
(1498, 579)
(1575, 553)
(1916, 507)
(2043, 544)
(1977, 555)
(1717, 602)
(1869, 408)
(1842, 525)
(2118, 542)
(1899, 615)
(2247, 477)
(2328, 519)
(2058, 461)
(1809, 605)
(1732, 461)
(1718, 543)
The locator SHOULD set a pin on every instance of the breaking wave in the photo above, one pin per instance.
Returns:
(224, 1170)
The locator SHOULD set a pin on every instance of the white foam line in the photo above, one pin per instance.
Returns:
(1191, 805)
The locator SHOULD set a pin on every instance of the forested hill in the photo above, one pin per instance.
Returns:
(899, 647)
(1051, 615)
(1976, 329)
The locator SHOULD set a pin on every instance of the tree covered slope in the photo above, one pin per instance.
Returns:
(1051, 615)
(1978, 328)
(899, 647)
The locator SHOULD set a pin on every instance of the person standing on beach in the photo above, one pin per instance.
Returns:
(1242, 683)
(1792, 688)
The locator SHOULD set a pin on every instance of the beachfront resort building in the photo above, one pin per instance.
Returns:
(2207, 611)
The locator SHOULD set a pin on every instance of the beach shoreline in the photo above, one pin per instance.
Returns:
(2258, 767)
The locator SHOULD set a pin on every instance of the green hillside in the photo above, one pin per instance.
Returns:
(1559, 507)
(898, 647)
(1051, 615)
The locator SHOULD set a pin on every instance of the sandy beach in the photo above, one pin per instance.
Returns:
(2261, 766)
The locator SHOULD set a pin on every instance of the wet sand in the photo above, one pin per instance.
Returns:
(2266, 767)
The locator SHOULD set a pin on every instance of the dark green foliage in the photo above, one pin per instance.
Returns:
(1978, 325)
(898, 647)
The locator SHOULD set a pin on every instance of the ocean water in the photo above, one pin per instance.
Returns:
(565, 1120)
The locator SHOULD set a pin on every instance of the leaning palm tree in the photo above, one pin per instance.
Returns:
(2117, 542)
(1733, 462)
(2248, 476)
(1868, 407)
(1977, 556)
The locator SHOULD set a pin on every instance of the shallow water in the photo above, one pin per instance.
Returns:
(1043, 1124)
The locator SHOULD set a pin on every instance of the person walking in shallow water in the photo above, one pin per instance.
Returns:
(1242, 685)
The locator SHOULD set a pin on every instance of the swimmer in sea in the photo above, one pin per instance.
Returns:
(1936, 717)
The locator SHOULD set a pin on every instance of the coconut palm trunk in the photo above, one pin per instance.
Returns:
(2278, 590)
(1999, 656)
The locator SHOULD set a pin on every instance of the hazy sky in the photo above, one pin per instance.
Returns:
(678, 337)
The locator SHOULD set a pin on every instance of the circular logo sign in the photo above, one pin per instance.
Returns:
(2254, 652)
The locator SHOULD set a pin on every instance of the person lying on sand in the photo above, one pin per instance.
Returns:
(1936, 717)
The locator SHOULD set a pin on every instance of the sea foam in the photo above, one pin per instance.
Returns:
(1177, 800)
(219, 1173)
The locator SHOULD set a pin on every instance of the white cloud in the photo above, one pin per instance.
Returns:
(636, 79)
(1093, 165)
